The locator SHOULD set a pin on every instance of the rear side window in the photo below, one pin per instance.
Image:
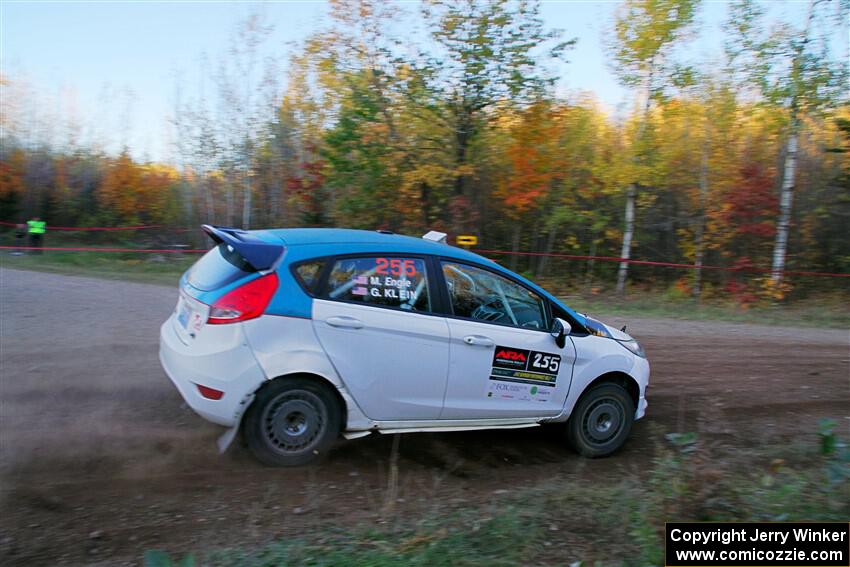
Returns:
(220, 266)
(381, 281)
(308, 274)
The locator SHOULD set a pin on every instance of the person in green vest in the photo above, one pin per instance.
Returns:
(36, 229)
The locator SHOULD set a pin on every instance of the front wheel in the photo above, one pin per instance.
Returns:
(601, 421)
(292, 422)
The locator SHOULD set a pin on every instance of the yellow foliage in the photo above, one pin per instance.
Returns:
(136, 192)
(772, 291)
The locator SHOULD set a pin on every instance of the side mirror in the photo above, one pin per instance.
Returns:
(560, 330)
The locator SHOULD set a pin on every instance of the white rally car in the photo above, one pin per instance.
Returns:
(302, 335)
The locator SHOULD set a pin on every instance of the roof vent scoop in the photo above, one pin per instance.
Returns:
(435, 236)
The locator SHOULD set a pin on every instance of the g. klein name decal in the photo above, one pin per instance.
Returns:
(391, 282)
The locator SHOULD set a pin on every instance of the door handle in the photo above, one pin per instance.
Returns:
(344, 322)
(478, 340)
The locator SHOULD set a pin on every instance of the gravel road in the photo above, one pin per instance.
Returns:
(100, 460)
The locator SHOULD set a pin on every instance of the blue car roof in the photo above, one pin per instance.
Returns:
(305, 243)
(326, 241)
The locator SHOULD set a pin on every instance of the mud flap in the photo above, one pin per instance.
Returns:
(226, 439)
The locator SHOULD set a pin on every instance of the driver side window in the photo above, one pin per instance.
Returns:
(484, 296)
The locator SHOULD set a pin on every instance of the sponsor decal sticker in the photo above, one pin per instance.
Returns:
(520, 392)
(525, 375)
(510, 358)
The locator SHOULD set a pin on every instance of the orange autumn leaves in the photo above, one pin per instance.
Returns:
(531, 157)
(136, 192)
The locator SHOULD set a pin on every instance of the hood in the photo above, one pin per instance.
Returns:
(618, 334)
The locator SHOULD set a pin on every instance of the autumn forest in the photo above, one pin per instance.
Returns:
(739, 162)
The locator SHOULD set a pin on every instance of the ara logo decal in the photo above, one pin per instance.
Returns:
(520, 366)
(507, 357)
(511, 355)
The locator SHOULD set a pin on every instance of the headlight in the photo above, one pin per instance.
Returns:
(634, 347)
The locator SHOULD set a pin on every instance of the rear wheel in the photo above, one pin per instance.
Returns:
(601, 420)
(292, 422)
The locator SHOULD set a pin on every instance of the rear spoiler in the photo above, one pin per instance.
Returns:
(261, 255)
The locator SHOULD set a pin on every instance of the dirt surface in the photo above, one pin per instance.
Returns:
(100, 460)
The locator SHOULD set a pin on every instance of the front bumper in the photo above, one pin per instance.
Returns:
(217, 358)
(640, 372)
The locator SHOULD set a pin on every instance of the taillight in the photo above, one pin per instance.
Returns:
(245, 302)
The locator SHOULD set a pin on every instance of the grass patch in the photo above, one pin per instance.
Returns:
(458, 540)
(828, 310)
(162, 269)
(584, 522)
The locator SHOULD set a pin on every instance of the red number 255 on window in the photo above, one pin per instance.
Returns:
(395, 267)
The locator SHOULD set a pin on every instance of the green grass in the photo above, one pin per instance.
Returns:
(564, 521)
(500, 541)
(827, 310)
(162, 269)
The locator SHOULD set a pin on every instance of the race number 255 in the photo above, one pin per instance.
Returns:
(395, 267)
(545, 362)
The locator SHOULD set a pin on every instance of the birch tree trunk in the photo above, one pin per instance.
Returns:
(790, 170)
(631, 194)
(785, 200)
(700, 231)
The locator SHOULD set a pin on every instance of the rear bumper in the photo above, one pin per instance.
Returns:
(218, 358)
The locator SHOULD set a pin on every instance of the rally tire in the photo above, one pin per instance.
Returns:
(292, 422)
(601, 421)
